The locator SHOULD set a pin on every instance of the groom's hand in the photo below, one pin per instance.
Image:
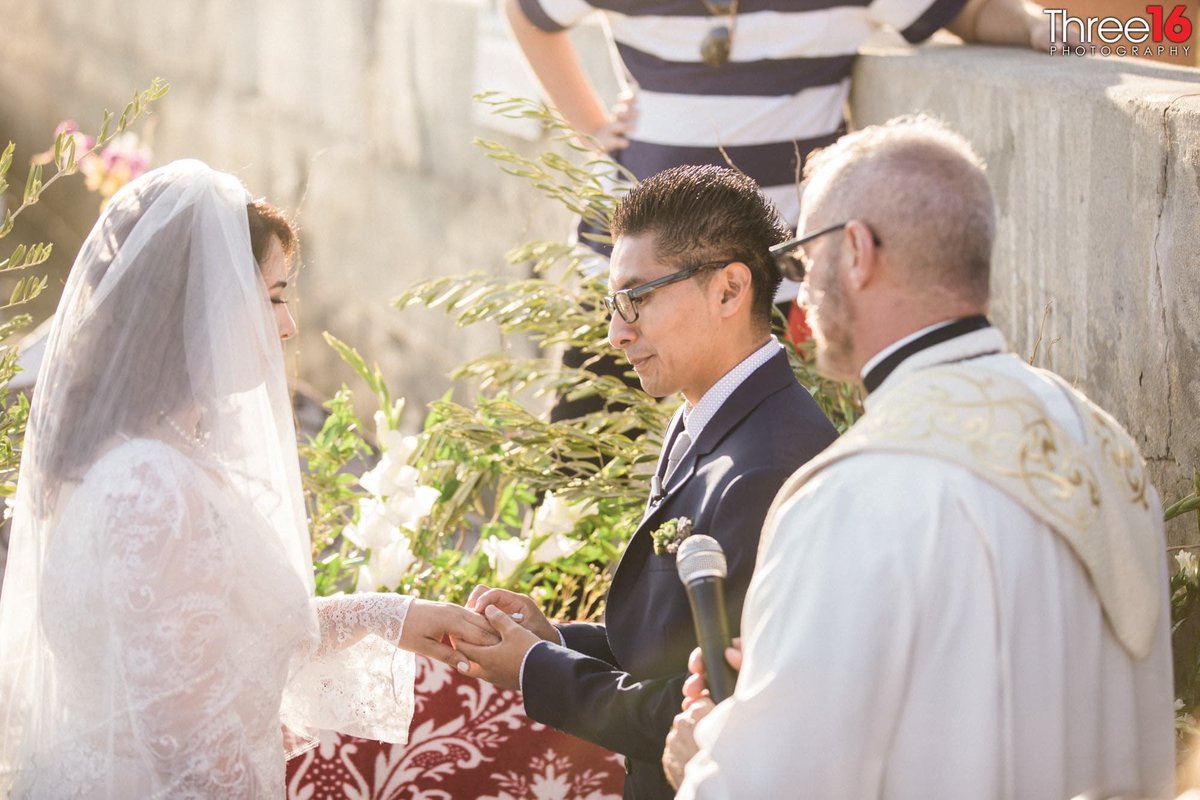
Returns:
(520, 607)
(500, 663)
(427, 625)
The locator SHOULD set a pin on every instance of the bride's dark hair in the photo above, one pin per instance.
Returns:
(127, 361)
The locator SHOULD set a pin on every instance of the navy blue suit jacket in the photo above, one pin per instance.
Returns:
(619, 684)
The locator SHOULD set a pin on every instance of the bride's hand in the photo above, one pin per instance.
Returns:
(428, 624)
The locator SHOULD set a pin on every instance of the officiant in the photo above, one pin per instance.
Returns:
(966, 595)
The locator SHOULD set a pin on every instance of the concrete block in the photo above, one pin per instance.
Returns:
(1095, 169)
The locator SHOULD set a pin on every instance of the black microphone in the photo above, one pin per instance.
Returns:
(701, 564)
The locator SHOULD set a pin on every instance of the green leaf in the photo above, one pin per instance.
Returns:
(26, 289)
(105, 125)
(6, 159)
(1184, 506)
(158, 87)
(69, 160)
(15, 260)
(23, 258)
(371, 374)
(33, 184)
(18, 323)
(59, 142)
(6, 226)
(130, 112)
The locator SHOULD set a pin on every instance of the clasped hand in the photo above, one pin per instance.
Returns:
(681, 741)
(520, 625)
(428, 625)
(494, 630)
(497, 628)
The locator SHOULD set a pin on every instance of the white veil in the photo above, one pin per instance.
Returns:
(163, 374)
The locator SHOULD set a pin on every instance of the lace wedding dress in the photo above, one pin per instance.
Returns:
(157, 623)
(176, 626)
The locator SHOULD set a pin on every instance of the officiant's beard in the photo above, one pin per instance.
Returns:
(832, 321)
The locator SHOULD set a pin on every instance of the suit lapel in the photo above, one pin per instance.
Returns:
(771, 377)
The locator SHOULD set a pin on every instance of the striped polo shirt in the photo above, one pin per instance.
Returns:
(781, 94)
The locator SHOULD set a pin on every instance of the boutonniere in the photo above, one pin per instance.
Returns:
(670, 534)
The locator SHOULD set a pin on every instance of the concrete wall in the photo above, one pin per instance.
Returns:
(1096, 169)
(358, 114)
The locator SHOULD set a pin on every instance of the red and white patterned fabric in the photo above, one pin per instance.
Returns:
(469, 741)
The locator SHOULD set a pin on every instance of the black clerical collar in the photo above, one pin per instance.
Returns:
(960, 327)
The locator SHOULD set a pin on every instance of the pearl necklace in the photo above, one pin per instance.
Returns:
(196, 440)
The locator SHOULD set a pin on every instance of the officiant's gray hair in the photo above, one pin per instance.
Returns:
(922, 188)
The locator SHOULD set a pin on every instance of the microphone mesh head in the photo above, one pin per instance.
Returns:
(700, 556)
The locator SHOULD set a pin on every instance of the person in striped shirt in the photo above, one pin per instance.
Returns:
(752, 84)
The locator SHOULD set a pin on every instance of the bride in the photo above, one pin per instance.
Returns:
(157, 624)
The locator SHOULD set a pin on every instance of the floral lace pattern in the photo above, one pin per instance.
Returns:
(345, 619)
(175, 623)
(357, 682)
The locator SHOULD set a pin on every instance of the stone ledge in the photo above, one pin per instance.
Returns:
(1096, 169)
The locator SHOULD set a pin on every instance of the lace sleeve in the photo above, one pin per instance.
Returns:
(357, 681)
(166, 612)
(346, 619)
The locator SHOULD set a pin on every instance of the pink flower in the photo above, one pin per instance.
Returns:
(124, 158)
(83, 143)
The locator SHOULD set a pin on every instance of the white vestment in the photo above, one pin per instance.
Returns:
(912, 631)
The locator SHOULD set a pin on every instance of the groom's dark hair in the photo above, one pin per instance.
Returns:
(707, 213)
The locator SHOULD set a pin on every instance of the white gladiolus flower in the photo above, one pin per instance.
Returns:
(393, 472)
(555, 547)
(558, 516)
(504, 555)
(366, 580)
(393, 442)
(407, 509)
(1188, 563)
(388, 477)
(398, 502)
(389, 564)
(373, 528)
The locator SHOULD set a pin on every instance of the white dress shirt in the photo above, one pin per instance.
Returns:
(695, 418)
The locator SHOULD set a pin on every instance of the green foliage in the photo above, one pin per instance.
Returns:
(508, 483)
(1187, 505)
(584, 186)
(1185, 619)
(330, 492)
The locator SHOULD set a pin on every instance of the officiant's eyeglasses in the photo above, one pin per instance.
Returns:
(625, 302)
(791, 259)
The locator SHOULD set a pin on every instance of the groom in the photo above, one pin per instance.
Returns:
(691, 310)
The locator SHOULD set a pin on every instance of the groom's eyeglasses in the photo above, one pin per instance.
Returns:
(625, 302)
